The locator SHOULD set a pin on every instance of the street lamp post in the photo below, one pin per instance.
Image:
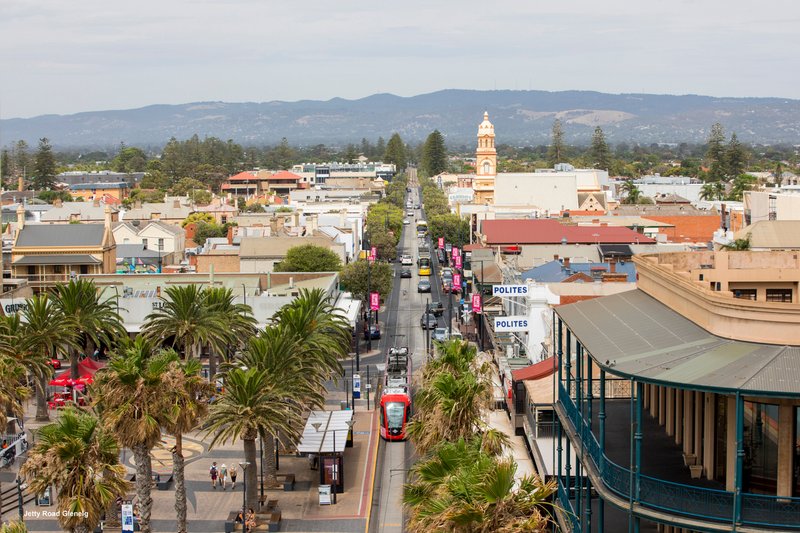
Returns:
(244, 293)
(160, 249)
(261, 467)
(244, 465)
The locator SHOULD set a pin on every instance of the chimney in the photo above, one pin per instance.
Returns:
(96, 201)
(176, 203)
(273, 225)
(21, 184)
(296, 218)
(612, 265)
(566, 263)
(20, 218)
(107, 213)
(555, 257)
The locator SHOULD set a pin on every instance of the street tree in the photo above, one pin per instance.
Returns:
(385, 244)
(556, 150)
(354, 278)
(735, 157)
(453, 228)
(44, 166)
(129, 159)
(434, 155)
(632, 192)
(309, 258)
(715, 153)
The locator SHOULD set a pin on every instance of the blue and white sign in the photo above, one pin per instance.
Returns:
(127, 517)
(508, 324)
(509, 290)
(356, 386)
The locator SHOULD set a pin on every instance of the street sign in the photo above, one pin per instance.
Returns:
(476, 303)
(507, 324)
(356, 386)
(374, 301)
(509, 290)
(441, 243)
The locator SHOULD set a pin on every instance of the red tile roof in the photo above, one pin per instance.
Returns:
(540, 370)
(242, 176)
(549, 231)
(283, 175)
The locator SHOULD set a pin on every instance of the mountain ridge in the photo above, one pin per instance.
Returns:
(520, 117)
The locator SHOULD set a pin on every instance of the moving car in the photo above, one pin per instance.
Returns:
(424, 286)
(437, 308)
(406, 260)
(428, 321)
(405, 273)
(406, 222)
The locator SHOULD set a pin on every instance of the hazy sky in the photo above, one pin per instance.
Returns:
(65, 57)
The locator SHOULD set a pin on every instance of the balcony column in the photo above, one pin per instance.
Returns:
(581, 433)
(669, 415)
(637, 437)
(737, 515)
(662, 405)
(588, 514)
(688, 421)
(697, 419)
(653, 399)
(709, 432)
(731, 443)
(559, 450)
(559, 350)
(602, 423)
(679, 420)
(785, 449)
(568, 363)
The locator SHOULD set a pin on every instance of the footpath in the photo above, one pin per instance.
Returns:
(208, 508)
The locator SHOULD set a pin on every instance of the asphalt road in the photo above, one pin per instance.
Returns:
(402, 328)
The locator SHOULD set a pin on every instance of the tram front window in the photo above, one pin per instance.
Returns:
(395, 412)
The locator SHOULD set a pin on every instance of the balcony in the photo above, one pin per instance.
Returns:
(664, 490)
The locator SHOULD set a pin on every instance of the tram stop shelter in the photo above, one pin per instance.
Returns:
(326, 435)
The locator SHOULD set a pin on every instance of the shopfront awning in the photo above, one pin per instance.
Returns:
(56, 259)
(634, 335)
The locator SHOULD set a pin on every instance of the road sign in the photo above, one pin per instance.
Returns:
(374, 301)
(356, 386)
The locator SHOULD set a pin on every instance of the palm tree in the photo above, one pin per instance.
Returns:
(632, 192)
(80, 459)
(240, 325)
(46, 331)
(94, 322)
(131, 399)
(14, 349)
(185, 319)
(13, 527)
(738, 245)
(187, 405)
(297, 379)
(12, 389)
(465, 486)
(250, 406)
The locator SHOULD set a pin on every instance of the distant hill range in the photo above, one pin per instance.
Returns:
(520, 118)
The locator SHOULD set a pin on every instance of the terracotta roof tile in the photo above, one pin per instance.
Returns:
(548, 231)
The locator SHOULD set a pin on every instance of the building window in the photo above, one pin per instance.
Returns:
(84, 269)
(160, 244)
(144, 243)
(58, 269)
(31, 270)
(745, 294)
(760, 448)
(779, 295)
(223, 218)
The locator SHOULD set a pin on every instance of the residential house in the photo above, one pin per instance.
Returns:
(168, 241)
(119, 190)
(221, 211)
(172, 211)
(77, 177)
(47, 254)
(261, 254)
(73, 212)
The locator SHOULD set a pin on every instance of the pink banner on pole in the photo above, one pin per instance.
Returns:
(374, 301)
(457, 279)
(455, 252)
(373, 252)
(458, 261)
(476, 303)
(441, 243)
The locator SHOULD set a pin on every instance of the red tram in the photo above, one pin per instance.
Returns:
(395, 402)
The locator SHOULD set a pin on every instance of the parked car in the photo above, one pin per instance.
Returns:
(437, 308)
(424, 286)
(428, 321)
(440, 256)
(440, 334)
(374, 332)
(405, 273)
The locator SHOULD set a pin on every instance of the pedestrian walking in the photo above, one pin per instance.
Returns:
(233, 477)
(214, 473)
(223, 476)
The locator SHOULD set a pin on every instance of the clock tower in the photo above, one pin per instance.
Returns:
(485, 163)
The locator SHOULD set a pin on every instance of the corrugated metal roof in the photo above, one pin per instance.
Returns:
(634, 335)
(61, 235)
(55, 259)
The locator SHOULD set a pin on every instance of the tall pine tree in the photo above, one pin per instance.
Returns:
(599, 152)
(396, 152)
(735, 157)
(555, 152)
(44, 166)
(715, 153)
(434, 155)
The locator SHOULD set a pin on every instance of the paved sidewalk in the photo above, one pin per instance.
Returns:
(301, 512)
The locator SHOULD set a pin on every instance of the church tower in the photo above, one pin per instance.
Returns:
(485, 163)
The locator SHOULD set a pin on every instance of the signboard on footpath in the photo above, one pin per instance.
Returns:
(374, 301)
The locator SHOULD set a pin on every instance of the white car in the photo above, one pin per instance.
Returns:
(406, 222)
(406, 260)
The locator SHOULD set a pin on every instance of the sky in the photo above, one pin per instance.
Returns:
(67, 57)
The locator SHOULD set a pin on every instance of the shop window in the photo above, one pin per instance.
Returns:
(779, 295)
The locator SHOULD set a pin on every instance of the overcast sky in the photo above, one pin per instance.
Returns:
(65, 57)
